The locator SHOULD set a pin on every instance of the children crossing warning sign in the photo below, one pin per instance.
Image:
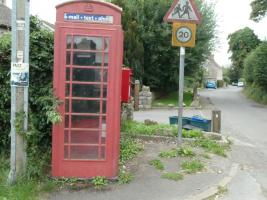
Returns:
(183, 11)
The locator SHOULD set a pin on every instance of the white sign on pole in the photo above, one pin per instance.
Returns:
(20, 25)
(183, 11)
(19, 74)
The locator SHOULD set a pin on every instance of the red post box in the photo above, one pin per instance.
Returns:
(126, 85)
(87, 78)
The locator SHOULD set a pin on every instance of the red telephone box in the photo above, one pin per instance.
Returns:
(87, 78)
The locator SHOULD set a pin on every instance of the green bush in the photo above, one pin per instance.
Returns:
(41, 99)
(226, 79)
(260, 64)
(220, 83)
(255, 93)
(256, 67)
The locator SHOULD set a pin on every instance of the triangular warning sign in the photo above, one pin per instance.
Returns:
(183, 11)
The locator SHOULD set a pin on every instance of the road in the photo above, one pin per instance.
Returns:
(246, 123)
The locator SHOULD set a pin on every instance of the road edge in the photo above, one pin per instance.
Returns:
(215, 189)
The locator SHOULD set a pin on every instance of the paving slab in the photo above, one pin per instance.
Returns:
(148, 184)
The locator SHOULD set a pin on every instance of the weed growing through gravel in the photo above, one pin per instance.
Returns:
(125, 177)
(100, 182)
(157, 164)
(129, 148)
(212, 146)
(186, 152)
(175, 176)
(192, 167)
(169, 154)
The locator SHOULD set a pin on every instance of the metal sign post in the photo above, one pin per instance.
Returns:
(184, 16)
(19, 85)
(181, 94)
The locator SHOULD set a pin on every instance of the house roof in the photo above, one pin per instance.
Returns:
(5, 16)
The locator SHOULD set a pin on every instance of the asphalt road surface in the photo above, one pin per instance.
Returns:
(246, 123)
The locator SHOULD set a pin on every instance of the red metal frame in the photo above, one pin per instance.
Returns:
(106, 162)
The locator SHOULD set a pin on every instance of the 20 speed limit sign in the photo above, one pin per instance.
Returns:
(184, 34)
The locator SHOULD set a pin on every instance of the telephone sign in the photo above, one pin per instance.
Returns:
(184, 34)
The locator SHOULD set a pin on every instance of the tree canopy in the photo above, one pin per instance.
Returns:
(256, 67)
(259, 9)
(241, 43)
(40, 101)
(148, 47)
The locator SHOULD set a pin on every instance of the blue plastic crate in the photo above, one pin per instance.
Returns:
(174, 120)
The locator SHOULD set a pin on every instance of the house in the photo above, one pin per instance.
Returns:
(213, 70)
(5, 18)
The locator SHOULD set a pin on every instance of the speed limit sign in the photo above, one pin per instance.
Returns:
(184, 34)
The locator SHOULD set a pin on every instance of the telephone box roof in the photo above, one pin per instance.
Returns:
(92, 1)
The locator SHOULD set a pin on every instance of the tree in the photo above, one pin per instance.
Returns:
(259, 9)
(241, 43)
(41, 98)
(256, 67)
(148, 42)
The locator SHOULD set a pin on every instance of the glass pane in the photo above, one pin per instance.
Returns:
(105, 75)
(69, 38)
(68, 57)
(104, 123)
(103, 137)
(85, 122)
(106, 59)
(66, 152)
(104, 109)
(91, 91)
(67, 74)
(66, 137)
(82, 106)
(105, 90)
(104, 132)
(66, 121)
(103, 153)
(67, 90)
(84, 137)
(87, 75)
(106, 44)
(83, 152)
(67, 105)
(87, 59)
(88, 43)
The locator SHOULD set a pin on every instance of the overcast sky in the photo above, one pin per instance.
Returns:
(232, 16)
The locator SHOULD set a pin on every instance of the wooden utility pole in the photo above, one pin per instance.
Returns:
(19, 87)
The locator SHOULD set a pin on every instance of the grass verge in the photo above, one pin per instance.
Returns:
(256, 94)
(212, 146)
(172, 98)
(139, 128)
